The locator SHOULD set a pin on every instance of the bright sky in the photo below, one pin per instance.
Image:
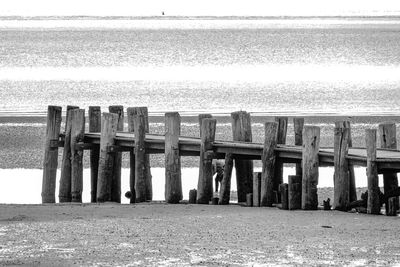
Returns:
(198, 7)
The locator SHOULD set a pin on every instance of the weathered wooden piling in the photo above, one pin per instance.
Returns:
(268, 164)
(284, 189)
(225, 192)
(173, 182)
(298, 125)
(140, 157)
(294, 197)
(77, 136)
(373, 203)
(241, 130)
(64, 192)
(204, 187)
(50, 160)
(393, 203)
(352, 177)
(116, 180)
(256, 188)
(387, 136)
(281, 139)
(202, 117)
(109, 124)
(94, 127)
(310, 164)
(130, 113)
(192, 196)
(249, 200)
(341, 165)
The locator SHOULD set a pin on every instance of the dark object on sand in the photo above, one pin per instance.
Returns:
(327, 204)
(192, 196)
(130, 195)
(361, 204)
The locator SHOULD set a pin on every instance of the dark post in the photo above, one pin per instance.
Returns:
(225, 193)
(64, 192)
(51, 154)
(294, 197)
(173, 182)
(116, 180)
(256, 189)
(284, 188)
(77, 135)
(204, 187)
(130, 114)
(310, 163)
(140, 157)
(241, 129)
(298, 138)
(268, 164)
(282, 131)
(373, 204)
(94, 127)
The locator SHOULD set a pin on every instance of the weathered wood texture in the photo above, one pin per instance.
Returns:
(268, 164)
(341, 166)
(373, 204)
(173, 182)
(249, 200)
(50, 160)
(204, 187)
(225, 192)
(77, 136)
(241, 131)
(393, 203)
(310, 164)
(298, 125)
(140, 157)
(256, 188)
(64, 191)
(294, 195)
(116, 180)
(284, 188)
(130, 114)
(352, 178)
(109, 124)
(281, 139)
(202, 117)
(387, 137)
(192, 196)
(94, 127)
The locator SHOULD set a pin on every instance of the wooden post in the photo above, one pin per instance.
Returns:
(77, 135)
(387, 134)
(173, 182)
(225, 192)
(64, 191)
(140, 157)
(204, 187)
(94, 127)
(284, 188)
(256, 189)
(203, 116)
(192, 196)
(373, 204)
(249, 200)
(298, 125)
(241, 129)
(393, 203)
(149, 188)
(50, 160)
(294, 197)
(130, 114)
(310, 163)
(109, 124)
(268, 164)
(341, 174)
(116, 180)
(281, 139)
(352, 177)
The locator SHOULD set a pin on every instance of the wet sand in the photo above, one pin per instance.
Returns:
(200, 235)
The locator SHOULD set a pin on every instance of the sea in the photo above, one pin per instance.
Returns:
(293, 66)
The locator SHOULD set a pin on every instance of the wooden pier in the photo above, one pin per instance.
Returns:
(106, 140)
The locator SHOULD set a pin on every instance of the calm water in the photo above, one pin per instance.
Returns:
(309, 66)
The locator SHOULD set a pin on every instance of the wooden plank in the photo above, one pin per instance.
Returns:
(310, 164)
(268, 164)
(64, 192)
(281, 139)
(341, 174)
(204, 187)
(294, 188)
(50, 160)
(284, 189)
(387, 136)
(140, 157)
(373, 204)
(116, 179)
(256, 188)
(173, 182)
(298, 125)
(352, 178)
(241, 131)
(94, 126)
(77, 134)
(225, 193)
(130, 114)
(109, 124)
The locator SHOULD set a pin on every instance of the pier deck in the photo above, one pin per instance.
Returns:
(190, 146)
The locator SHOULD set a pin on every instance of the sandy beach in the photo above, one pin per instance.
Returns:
(158, 234)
